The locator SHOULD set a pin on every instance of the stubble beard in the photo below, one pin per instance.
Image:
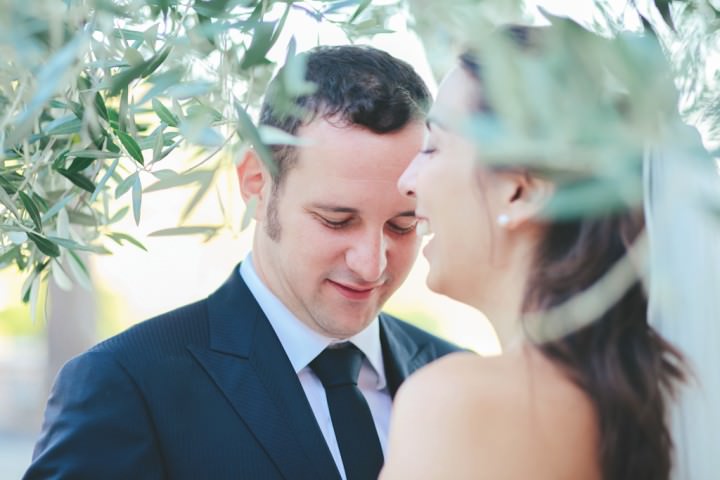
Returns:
(272, 222)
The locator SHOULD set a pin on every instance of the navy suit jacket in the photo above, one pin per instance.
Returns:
(203, 392)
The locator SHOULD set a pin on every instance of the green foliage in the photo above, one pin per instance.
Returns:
(580, 103)
(95, 92)
(95, 95)
(589, 104)
(16, 322)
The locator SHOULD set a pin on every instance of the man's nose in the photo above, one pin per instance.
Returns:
(368, 256)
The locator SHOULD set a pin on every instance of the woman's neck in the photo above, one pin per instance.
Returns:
(504, 316)
(504, 310)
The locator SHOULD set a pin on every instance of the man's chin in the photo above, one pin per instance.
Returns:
(343, 327)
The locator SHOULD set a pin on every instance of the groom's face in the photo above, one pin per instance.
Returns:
(337, 238)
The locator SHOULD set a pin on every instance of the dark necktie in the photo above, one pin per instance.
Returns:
(338, 369)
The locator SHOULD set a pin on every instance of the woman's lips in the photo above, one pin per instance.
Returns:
(353, 292)
(423, 229)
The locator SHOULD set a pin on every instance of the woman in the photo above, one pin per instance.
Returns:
(588, 405)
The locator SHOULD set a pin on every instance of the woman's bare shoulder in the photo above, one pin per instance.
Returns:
(467, 378)
(474, 417)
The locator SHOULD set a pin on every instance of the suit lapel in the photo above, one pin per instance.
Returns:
(401, 354)
(247, 362)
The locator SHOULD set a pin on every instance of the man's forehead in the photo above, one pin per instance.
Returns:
(357, 154)
(353, 170)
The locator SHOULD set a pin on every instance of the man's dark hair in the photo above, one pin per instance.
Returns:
(354, 86)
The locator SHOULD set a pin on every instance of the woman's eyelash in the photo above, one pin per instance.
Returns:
(428, 151)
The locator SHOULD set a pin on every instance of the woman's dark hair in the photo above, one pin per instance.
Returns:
(626, 368)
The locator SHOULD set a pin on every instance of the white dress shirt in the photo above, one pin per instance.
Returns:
(302, 345)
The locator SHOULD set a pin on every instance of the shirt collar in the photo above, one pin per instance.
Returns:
(301, 343)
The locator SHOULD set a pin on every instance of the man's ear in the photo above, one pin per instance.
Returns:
(255, 182)
(524, 197)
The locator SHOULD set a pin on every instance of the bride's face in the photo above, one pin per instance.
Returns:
(458, 201)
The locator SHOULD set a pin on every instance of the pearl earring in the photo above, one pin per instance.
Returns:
(503, 219)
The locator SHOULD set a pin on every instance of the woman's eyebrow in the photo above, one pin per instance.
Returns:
(432, 120)
(406, 213)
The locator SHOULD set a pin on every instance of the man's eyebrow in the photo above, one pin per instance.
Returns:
(334, 208)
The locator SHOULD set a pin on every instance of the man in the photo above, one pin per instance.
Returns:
(288, 370)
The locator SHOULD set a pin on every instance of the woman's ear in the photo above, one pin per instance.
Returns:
(524, 197)
(255, 181)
